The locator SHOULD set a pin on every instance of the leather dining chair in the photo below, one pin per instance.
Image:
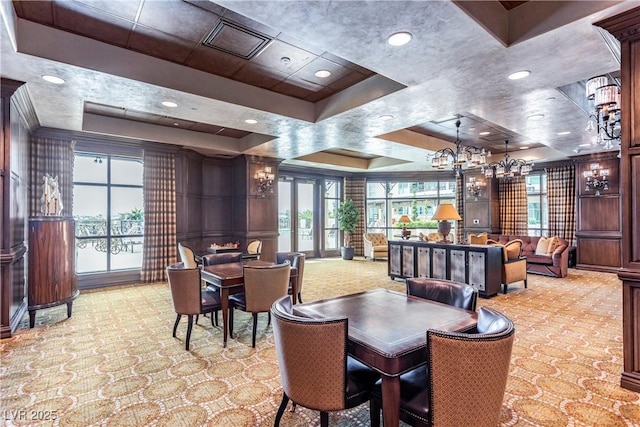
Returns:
(464, 381)
(263, 285)
(254, 247)
(447, 292)
(189, 298)
(296, 259)
(315, 370)
(221, 258)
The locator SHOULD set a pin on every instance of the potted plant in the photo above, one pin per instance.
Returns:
(348, 215)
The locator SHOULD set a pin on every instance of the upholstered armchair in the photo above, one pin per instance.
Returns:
(189, 298)
(375, 245)
(514, 266)
(447, 292)
(464, 382)
(315, 370)
(187, 256)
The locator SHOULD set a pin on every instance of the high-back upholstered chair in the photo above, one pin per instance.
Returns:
(187, 256)
(514, 267)
(465, 378)
(448, 292)
(222, 258)
(263, 285)
(254, 247)
(315, 370)
(188, 296)
(296, 259)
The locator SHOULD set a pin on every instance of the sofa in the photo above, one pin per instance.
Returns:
(555, 264)
(376, 245)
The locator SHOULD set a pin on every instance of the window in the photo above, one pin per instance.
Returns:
(108, 212)
(538, 216)
(332, 194)
(387, 201)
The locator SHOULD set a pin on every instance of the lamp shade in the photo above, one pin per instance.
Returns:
(446, 212)
(404, 219)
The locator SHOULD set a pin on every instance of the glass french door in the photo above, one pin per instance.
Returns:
(297, 224)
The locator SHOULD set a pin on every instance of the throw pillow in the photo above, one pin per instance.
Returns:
(480, 239)
(554, 242)
(543, 246)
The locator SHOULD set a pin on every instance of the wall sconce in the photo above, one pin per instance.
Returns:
(475, 187)
(596, 178)
(264, 180)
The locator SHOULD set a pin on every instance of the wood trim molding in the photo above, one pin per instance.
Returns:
(625, 26)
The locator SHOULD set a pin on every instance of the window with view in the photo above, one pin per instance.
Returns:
(108, 212)
(538, 216)
(387, 201)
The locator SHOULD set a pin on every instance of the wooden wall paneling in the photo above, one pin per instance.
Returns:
(17, 121)
(601, 253)
(626, 28)
(600, 213)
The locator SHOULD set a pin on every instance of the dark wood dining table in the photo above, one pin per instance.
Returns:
(229, 279)
(388, 332)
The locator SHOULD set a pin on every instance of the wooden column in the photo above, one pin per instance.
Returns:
(626, 28)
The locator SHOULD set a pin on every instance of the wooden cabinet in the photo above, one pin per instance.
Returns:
(481, 204)
(477, 265)
(52, 274)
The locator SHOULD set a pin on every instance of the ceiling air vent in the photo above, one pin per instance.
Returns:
(236, 40)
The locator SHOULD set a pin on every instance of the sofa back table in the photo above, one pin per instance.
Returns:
(476, 265)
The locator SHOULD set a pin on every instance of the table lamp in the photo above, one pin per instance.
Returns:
(404, 220)
(445, 212)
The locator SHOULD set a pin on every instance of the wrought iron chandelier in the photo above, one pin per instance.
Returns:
(508, 167)
(605, 119)
(264, 181)
(446, 157)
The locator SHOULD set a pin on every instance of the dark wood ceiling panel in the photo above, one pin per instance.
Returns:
(127, 9)
(271, 57)
(233, 133)
(206, 128)
(174, 30)
(178, 18)
(215, 61)
(80, 19)
(511, 4)
(156, 43)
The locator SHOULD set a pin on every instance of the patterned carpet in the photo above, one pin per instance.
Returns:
(115, 363)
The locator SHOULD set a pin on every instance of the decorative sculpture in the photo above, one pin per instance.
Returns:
(51, 200)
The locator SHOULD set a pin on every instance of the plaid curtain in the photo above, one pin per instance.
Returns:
(513, 206)
(159, 178)
(561, 202)
(54, 157)
(355, 188)
(460, 207)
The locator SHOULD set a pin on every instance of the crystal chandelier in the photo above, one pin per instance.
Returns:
(446, 157)
(264, 181)
(508, 167)
(605, 119)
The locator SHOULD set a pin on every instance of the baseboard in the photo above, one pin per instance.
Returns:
(630, 381)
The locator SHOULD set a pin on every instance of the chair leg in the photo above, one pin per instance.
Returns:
(374, 412)
(300, 298)
(216, 317)
(525, 283)
(294, 405)
(283, 406)
(268, 318)
(324, 419)
(197, 317)
(213, 323)
(255, 326)
(175, 326)
(504, 288)
(189, 327)
(230, 322)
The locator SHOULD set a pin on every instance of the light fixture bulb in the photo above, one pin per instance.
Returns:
(400, 38)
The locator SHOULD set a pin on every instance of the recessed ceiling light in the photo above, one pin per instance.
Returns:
(564, 133)
(524, 147)
(587, 144)
(53, 79)
(400, 38)
(251, 121)
(285, 60)
(386, 117)
(537, 116)
(519, 75)
(485, 133)
(169, 104)
(322, 73)
(176, 124)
